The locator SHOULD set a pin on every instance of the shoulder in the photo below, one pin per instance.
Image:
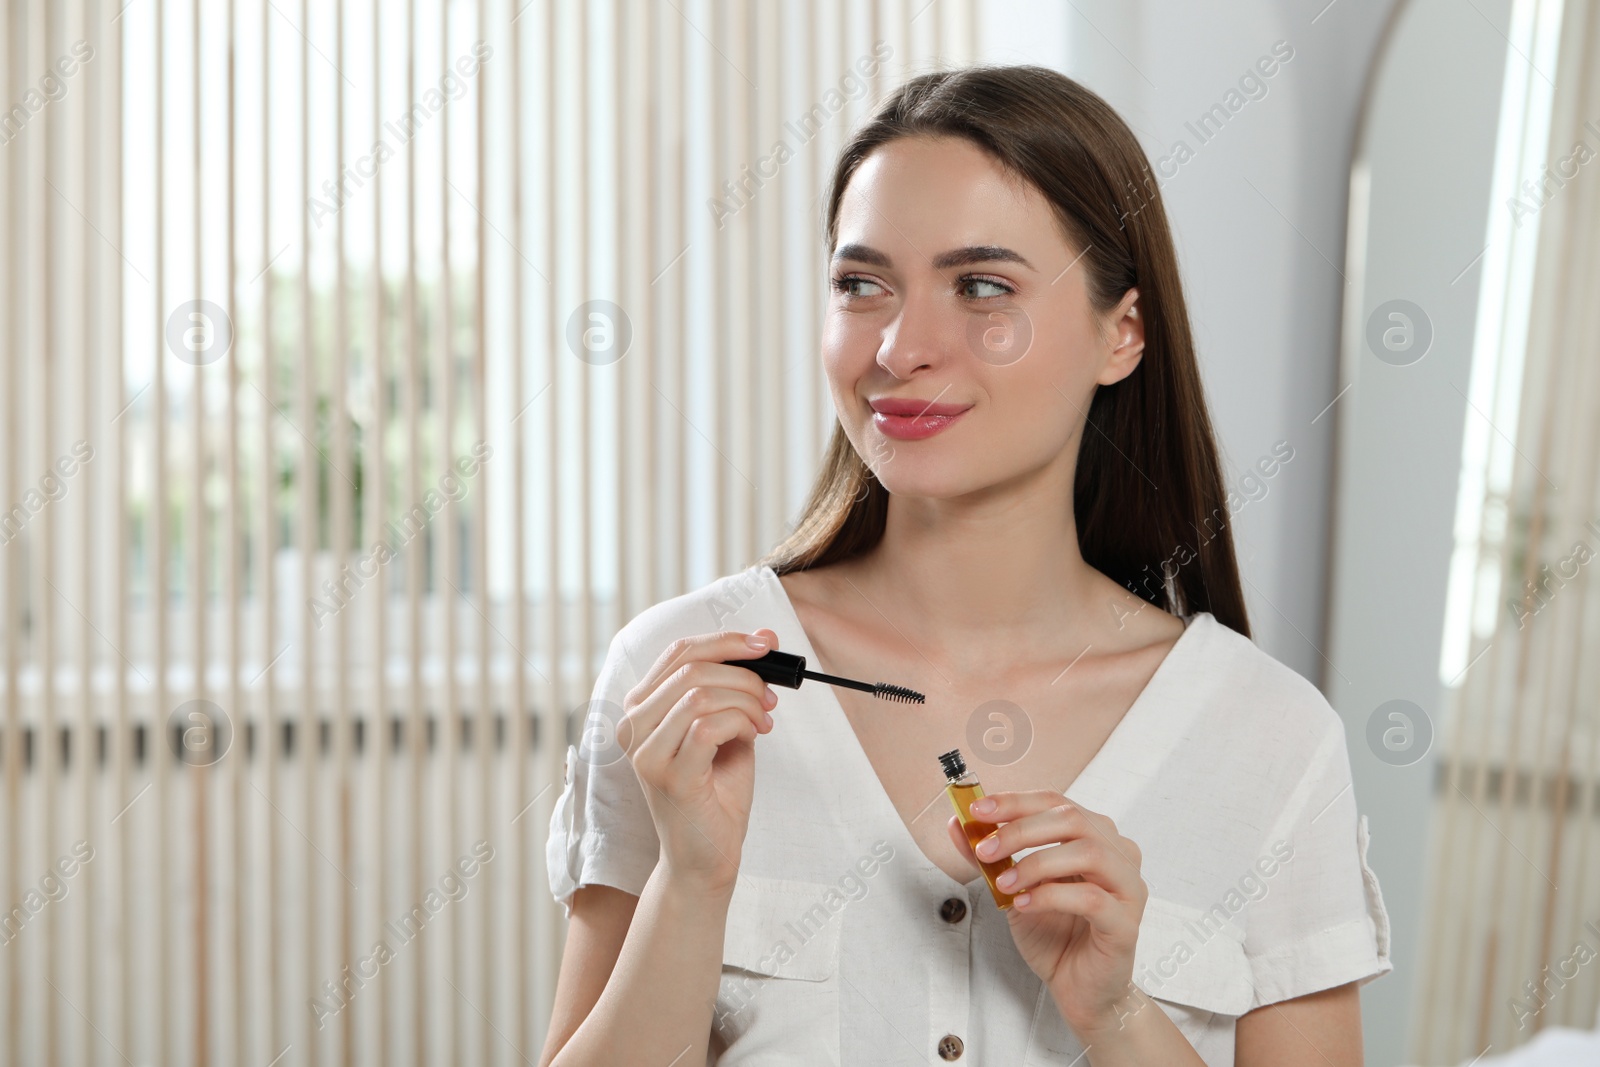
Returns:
(1266, 689)
(711, 607)
(1265, 709)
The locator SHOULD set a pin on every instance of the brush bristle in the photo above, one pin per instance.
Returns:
(897, 692)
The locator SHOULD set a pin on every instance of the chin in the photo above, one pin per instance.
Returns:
(934, 482)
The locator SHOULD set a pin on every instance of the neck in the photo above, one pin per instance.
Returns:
(985, 575)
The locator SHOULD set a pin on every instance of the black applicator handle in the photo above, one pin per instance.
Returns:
(789, 670)
(776, 668)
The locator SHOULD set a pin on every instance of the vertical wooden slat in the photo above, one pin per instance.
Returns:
(815, 265)
(772, 317)
(554, 721)
(584, 111)
(197, 582)
(266, 585)
(376, 454)
(746, 328)
(720, 394)
(744, 243)
(678, 213)
(414, 556)
(768, 343)
(12, 325)
(621, 100)
(308, 746)
(157, 558)
(46, 751)
(516, 731)
(875, 29)
(907, 53)
(341, 495)
(646, 124)
(123, 743)
(447, 565)
(11, 336)
(480, 555)
(84, 754)
(238, 768)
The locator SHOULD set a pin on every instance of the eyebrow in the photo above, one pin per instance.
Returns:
(957, 257)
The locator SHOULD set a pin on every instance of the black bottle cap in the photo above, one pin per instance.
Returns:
(954, 765)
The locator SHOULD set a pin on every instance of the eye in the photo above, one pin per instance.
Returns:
(971, 280)
(845, 283)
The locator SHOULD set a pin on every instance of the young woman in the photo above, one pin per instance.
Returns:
(1022, 515)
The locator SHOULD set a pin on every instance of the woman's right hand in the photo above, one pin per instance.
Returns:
(689, 727)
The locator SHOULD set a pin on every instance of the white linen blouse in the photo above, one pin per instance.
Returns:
(846, 945)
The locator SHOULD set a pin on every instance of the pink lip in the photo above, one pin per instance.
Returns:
(888, 405)
(913, 427)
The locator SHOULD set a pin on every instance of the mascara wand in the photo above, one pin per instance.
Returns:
(789, 670)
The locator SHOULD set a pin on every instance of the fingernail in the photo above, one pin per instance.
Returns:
(988, 847)
(771, 696)
(982, 806)
(1007, 880)
(757, 643)
(768, 716)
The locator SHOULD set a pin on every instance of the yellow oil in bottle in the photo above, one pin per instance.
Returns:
(963, 788)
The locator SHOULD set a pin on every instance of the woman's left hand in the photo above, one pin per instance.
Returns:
(1075, 917)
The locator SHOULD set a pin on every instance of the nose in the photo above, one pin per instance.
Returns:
(914, 340)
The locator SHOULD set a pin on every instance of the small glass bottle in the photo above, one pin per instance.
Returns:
(963, 787)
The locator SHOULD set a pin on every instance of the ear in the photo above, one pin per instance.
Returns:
(1127, 337)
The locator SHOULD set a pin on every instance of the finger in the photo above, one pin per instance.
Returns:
(1044, 817)
(661, 745)
(704, 736)
(713, 647)
(701, 682)
(1008, 804)
(1087, 859)
(1027, 820)
(958, 834)
(1109, 916)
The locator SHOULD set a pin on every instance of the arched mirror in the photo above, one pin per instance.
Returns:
(1464, 612)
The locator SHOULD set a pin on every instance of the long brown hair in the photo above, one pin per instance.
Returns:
(1148, 494)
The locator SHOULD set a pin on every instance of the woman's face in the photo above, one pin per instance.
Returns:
(952, 286)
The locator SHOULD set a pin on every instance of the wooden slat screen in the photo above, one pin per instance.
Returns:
(315, 520)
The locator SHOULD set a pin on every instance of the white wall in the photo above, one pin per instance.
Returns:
(1259, 215)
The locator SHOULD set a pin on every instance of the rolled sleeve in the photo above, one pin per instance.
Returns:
(601, 832)
(1322, 922)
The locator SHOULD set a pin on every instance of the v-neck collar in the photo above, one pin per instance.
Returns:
(1095, 785)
